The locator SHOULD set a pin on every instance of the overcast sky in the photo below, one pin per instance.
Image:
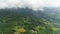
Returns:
(34, 4)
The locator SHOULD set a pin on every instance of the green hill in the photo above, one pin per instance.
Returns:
(22, 23)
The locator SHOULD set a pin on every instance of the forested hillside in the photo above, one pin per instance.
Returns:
(25, 21)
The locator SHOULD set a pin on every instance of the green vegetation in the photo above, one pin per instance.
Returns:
(17, 23)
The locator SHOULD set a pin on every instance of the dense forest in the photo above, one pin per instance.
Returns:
(26, 21)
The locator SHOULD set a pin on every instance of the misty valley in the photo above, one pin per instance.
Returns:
(28, 21)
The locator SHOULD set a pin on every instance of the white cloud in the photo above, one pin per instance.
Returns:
(34, 4)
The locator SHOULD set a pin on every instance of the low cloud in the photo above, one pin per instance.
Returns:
(33, 4)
